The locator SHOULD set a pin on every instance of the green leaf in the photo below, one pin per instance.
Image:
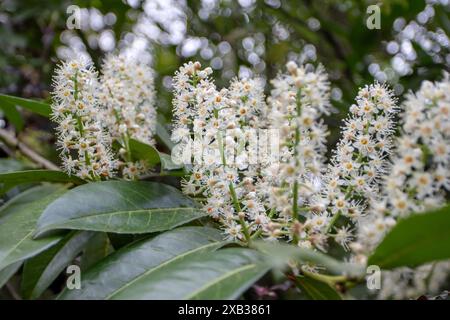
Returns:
(8, 272)
(120, 207)
(223, 274)
(230, 273)
(133, 263)
(12, 179)
(316, 290)
(40, 271)
(143, 151)
(98, 248)
(23, 199)
(279, 254)
(12, 114)
(17, 228)
(38, 107)
(415, 240)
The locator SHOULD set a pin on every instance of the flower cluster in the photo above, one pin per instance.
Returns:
(297, 102)
(127, 97)
(94, 113)
(219, 126)
(84, 146)
(359, 161)
(419, 169)
(418, 176)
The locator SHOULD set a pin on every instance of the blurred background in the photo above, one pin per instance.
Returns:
(235, 37)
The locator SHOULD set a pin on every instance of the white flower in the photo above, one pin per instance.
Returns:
(419, 173)
(298, 100)
(359, 160)
(127, 98)
(84, 147)
(217, 124)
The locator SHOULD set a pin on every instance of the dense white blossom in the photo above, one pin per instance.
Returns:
(218, 126)
(127, 97)
(353, 176)
(418, 176)
(83, 144)
(297, 102)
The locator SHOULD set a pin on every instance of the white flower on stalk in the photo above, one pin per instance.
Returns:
(215, 123)
(297, 102)
(127, 96)
(359, 161)
(84, 147)
(416, 182)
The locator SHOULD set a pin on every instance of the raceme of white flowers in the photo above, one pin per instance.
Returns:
(127, 95)
(95, 113)
(219, 125)
(418, 177)
(258, 164)
(352, 178)
(297, 102)
(373, 178)
(84, 146)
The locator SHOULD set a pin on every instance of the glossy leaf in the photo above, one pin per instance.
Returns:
(12, 114)
(40, 271)
(224, 274)
(132, 263)
(17, 228)
(316, 290)
(38, 107)
(11, 179)
(143, 151)
(415, 240)
(120, 207)
(17, 203)
(98, 248)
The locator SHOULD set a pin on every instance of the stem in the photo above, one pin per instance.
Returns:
(13, 142)
(126, 140)
(330, 280)
(236, 204)
(295, 200)
(295, 187)
(339, 213)
(256, 234)
(13, 291)
(333, 221)
(237, 207)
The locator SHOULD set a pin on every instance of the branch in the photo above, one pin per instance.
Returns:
(13, 291)
(13, 142)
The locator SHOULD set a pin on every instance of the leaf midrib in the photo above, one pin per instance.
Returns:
(113, 213)
(158, 267)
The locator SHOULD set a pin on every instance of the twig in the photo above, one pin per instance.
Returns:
(12, 291)
(13, 142)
